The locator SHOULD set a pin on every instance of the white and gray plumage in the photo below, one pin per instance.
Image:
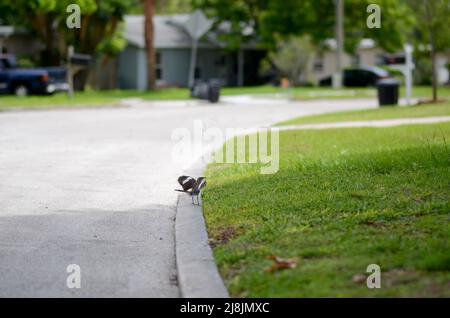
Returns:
(192, 187)
(197, 190)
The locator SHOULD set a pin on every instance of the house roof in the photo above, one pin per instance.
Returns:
(167, 30)
(170, 32)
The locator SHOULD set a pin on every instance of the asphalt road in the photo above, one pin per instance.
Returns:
(94, 187)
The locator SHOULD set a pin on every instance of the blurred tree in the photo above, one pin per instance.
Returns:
(293, 58)
(149, 12)
(173, 6)
(242, 18)
(3, 11)
(47, 19)
(432, 31)
(38, 16)
(269, 18)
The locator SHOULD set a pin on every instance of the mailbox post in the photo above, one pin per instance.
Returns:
(75, 63)
(70, 53)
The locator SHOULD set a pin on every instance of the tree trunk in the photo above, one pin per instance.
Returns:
(430, 13)
(149, 11)
(434, 75)
(50, 55)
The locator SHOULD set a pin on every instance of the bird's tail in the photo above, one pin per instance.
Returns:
(183, 191)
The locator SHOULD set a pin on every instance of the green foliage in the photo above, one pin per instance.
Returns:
(43, 5)
(273, 18)
(423, 72)
(173, 6)
(432, 22)
(99, 25)
(100, 30)
(89, 98)
(293, 17)
(433, 32)
(113, 45)
(243, 17)
(25, 62)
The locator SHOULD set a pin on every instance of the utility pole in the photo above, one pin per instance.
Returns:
(196, 26)
(339, 34)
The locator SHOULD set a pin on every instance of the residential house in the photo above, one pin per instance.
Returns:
(366, 54)
(19, 42)
(173, 49)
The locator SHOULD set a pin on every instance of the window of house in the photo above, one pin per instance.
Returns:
(159, 71)
(198, 73)
(379, 59)
(355, 60)
(318, 64)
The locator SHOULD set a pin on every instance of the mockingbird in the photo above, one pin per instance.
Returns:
(192, 187)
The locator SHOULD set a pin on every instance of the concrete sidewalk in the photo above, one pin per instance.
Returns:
(369, 123)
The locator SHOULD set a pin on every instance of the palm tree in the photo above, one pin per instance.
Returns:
(149, 12)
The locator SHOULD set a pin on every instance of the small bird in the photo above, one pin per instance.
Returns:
(192, 187)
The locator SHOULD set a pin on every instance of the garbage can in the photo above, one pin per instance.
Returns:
(387, 92)
(207, 91)
(214, 91)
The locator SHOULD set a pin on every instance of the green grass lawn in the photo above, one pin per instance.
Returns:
(307, 93)
(342, 199)
(304, 93)
(113, 98)
(89, 98)
(375, 114)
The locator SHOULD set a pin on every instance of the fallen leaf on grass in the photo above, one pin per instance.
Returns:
(359, 278)
(280, 263)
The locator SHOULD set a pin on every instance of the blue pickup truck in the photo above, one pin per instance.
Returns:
(27, 81)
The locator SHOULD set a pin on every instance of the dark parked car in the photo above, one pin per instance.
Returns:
(359, 77)
(26, 81)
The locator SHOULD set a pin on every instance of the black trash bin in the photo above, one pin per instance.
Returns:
(388, 92)
(206, 90)
(214, 91)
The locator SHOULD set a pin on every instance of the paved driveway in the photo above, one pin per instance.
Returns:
(94, 187)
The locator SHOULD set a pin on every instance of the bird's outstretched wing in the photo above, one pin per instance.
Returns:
(186, 182)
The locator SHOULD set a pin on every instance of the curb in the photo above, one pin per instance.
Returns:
(198, 276)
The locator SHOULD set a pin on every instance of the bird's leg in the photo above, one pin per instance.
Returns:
(197, 203)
